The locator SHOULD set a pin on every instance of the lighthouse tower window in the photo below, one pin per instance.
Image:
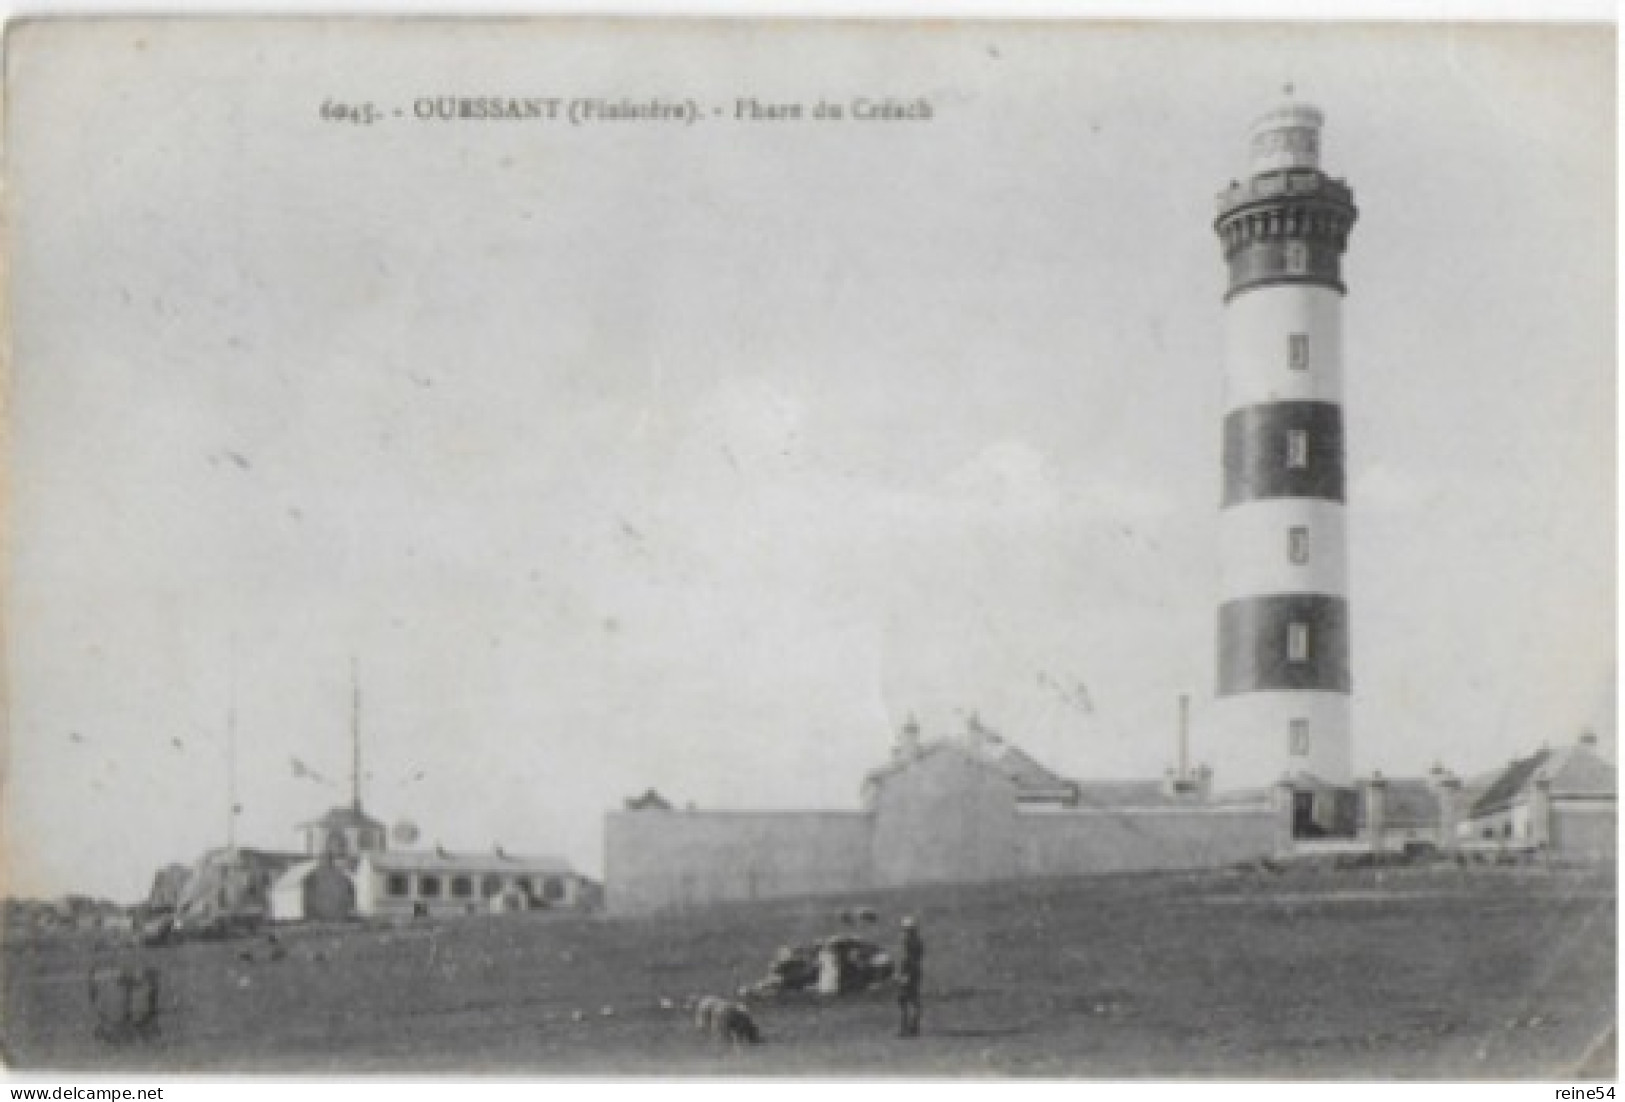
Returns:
(1299, 735)
(1297, 448)
(1297, 545)
(1297, 642)
(1298, 351)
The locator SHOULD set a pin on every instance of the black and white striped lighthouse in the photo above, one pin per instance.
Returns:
(1283, 631)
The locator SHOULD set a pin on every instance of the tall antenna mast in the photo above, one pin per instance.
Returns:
(231, 775)
(355, 736)
(1184, 737)
(231, 750)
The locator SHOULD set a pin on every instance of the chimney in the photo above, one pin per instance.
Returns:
(1184, 735)
(908, 739)
(1588, 739)
(1376, 809)
(977, 736)
(1180, 779)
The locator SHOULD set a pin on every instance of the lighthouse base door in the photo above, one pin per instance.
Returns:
(1323, 813)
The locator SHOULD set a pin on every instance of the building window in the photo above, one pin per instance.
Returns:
(1299, 730)
(1297, 544)
(1298, 351)
(462, 887)
(397, 885)
(429, 887)
(1297, 642)
(1297, 448)
(490, 886)
(552, 889)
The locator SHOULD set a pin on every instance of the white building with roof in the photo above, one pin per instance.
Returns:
(350, 872)
(436, 883)
(1563, 800)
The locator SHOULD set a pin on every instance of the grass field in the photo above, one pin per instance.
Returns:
(1414, 973)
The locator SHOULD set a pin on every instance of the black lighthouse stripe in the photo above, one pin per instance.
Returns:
(1266, 262)
(1258, 652)
(1283, 449)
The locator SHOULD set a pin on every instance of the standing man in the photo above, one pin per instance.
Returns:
(910, 970)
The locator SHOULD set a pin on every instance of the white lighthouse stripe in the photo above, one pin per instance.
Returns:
(1256, 731)
(1259, 330)
(1256, 541)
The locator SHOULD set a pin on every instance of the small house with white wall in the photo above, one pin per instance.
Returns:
(1561, 800)
(436, 883)
(321, 890)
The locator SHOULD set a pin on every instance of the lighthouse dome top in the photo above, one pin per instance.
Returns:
(1285, 137)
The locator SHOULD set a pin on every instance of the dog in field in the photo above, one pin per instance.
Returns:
(726, 1020)
(125, 1001)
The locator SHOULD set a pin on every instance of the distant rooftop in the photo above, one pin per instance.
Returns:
(1035, 782)
(443, 861)
(342, 817)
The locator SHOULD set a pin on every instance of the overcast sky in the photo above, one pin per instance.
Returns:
(698, 457)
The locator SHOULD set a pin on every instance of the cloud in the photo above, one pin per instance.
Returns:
(1009, 476)
(1383, 487)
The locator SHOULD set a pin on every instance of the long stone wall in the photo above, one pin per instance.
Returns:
(1075, 843)
(939, 817)
(661, 859)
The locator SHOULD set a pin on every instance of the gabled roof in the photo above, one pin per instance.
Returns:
(1580, 771)
(1573, 771)
(1033, 780)
(1505, 789)
(925, 751)
(649, 801)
